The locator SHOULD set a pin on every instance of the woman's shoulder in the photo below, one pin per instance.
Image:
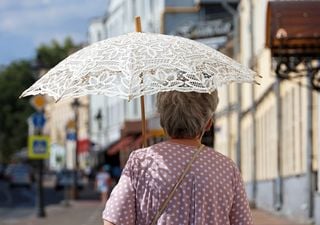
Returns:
(149, 149)
(141, 153)
(220, 158)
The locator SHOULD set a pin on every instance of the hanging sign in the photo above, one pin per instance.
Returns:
(38, 119)
(38, 147)
(38, 102)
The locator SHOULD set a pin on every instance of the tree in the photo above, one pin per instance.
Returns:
(50, 55)
(14, 79)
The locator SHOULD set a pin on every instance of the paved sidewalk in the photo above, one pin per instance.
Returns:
(261, 217)
(87, 212)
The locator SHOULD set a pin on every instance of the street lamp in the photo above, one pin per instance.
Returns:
(75, 106)
(99, 117)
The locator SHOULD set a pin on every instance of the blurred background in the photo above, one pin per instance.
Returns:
(51, 153)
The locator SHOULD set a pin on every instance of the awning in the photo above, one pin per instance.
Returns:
(150, 134)
(133, 142)
(132, 127)
(83, 145)
(156, 133)
(123, 144)
(293, 27)
(137, 143)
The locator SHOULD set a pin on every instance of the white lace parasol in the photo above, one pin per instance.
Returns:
(139, 64)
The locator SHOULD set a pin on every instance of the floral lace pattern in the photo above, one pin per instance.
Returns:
(138, 64)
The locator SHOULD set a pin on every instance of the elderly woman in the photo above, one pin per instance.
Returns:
(209, 192)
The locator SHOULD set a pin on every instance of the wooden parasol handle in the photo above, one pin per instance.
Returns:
(143, 116)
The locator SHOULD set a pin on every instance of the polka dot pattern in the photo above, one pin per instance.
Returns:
(212, 193)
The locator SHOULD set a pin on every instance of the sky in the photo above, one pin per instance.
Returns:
(25, 24)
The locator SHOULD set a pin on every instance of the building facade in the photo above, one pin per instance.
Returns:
(184, 18)
(119, 19)
(266, 129)
(277, 148)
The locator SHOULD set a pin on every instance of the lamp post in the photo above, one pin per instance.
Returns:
(99, 117)
(75, 106)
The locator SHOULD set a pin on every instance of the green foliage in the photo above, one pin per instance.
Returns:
(50, 55)
(14, 79)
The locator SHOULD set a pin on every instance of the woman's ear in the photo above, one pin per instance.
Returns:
(209, 125)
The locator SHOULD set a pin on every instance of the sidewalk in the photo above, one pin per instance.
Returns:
(261, 217)
(85, 211)
(88, 212)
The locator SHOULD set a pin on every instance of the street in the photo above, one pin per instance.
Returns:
(26, 197)
(85, 212)
(16, 203)
(17, 206)
(19, 202)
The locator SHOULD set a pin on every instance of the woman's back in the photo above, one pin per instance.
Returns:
(211, 193)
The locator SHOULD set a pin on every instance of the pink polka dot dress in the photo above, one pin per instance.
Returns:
(212, 193)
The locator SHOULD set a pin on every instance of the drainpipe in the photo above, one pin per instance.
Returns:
(229, 134)
(253, 113)
(318, 142)
(279, 182)
(235, 17)
(318, 191)
(310, 186)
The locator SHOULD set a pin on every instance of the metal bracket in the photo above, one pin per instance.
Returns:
(292, 67)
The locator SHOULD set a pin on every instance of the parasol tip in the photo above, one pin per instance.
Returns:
(24, 94)
(256, 82)
(258, 76)
(56, 100)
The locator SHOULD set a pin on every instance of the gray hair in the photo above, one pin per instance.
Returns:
(185, 114)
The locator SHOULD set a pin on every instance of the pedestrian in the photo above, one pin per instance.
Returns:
(102, 183)
(180, 181)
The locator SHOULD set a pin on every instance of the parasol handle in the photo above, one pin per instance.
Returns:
(138, 24)
(143, 116)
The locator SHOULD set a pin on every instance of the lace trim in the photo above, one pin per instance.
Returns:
(138, 64)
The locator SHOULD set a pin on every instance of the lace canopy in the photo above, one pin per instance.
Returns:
(138, 64)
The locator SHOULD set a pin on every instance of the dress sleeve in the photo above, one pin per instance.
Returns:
(240, 213)
(120, 207)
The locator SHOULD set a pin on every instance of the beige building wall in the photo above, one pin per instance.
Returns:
(266, 137)
(263, 67)
(294, 128)
(221, 135)
(247, 148)
(294, 110)
(294, 145)
(223, 99)
(226, 122)
(58, 115)
(222, 122)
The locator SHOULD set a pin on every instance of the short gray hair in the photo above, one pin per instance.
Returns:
(185, 114)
